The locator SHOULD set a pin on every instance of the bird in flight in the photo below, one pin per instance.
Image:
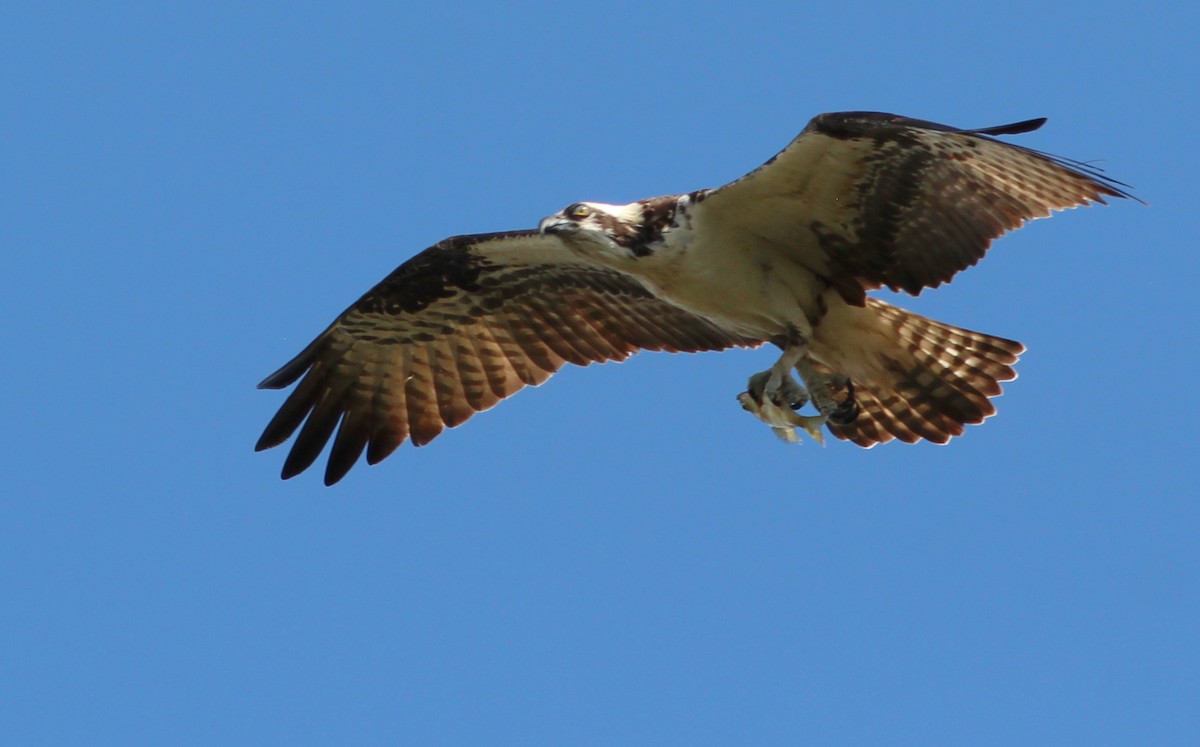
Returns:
(784, 255)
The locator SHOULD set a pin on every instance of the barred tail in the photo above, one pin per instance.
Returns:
(914, 378)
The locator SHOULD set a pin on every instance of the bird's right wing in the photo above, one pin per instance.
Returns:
(454, 330)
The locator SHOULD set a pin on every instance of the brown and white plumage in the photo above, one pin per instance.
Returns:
(785, 254)
(898, 202)
(461, 326)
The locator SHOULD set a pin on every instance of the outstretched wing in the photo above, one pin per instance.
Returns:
(870, 199)
(453, 331)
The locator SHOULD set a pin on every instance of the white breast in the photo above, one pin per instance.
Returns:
(742, 283)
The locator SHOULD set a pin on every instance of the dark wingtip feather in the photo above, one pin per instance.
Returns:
(293, 369)
(858, 124)
(283, 425)
(286, 375)
(263, 443)
(1016, 128)
(310, 442)
(383, 442)
(334, 476)
(348, 446)
(307, 448)
(293, 411)
(1103, 184)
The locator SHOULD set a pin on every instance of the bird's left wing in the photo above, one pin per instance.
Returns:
(454, 330)
(868, 199)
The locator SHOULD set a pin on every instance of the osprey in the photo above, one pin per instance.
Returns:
(785, 254)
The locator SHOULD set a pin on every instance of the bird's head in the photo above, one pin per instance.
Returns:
(616, 233)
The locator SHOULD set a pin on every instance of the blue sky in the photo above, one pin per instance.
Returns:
(191, 191)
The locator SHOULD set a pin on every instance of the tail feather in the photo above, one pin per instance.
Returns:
(914, 378)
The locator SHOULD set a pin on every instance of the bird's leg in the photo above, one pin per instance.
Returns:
(774, 395)
(777, 385)
(821, 387)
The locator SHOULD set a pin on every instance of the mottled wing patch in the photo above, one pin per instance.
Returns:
(873, 200)
(461, 326)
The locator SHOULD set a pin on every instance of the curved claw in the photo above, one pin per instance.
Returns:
(846, 412)
(823, 386)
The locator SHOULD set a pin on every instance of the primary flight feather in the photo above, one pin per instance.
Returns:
(785, 254)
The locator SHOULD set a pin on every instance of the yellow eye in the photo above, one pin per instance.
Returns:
(579, 211)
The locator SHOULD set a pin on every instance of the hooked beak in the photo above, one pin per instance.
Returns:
(553, 225)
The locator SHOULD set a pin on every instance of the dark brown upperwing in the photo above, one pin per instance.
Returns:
(454, 330)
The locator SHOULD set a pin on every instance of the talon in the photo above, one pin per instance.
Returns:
(774, 395)
(756, 387)
(823, 387)
(846, 412)
(791, 394)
